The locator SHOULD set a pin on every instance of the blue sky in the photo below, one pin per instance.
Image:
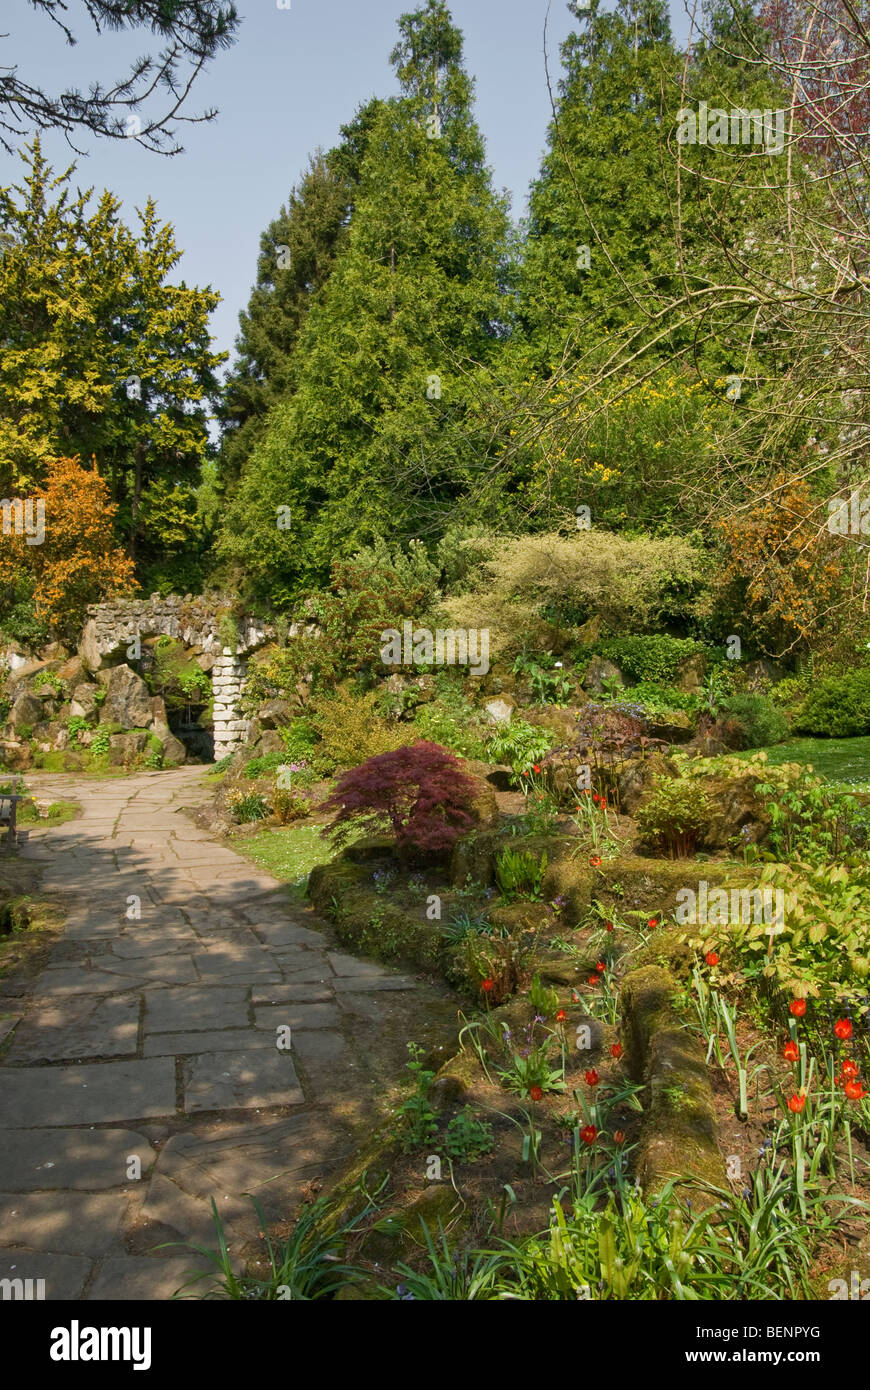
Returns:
(292, 78)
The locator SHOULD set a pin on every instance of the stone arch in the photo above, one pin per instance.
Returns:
(112, 628)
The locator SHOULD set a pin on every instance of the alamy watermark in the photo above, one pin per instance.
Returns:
(735, 127)
(849, 516)
(445, 647)
(741, 907)
(24, 516)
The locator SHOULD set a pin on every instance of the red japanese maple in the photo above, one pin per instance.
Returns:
(420, 793)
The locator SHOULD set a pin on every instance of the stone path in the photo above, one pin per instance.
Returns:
(150, 1042)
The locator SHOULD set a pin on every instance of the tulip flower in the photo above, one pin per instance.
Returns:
(797, 1008)
(796, 1103)
(791, 1052)
(843, 1028)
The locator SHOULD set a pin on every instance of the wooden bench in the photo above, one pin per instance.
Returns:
(8, 812)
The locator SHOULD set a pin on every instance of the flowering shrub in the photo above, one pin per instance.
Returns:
(420, 793)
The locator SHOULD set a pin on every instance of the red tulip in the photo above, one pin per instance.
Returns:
(536, 768)
(601, 967)
(608, 926)
(591, 1077)
(589, 1134)
(593, 980)
(653, 922)
(536, 1093)
(619, 1136)
(604, 803)
(596, 797)
(595, 860)
(854, 1090)
(843, 1028)
(575, 997)
(796, 1103)
(561, 1016)
(798, 1007)
(486, 985)
(616, 1050)
(711, 958)
(791, 1052)
(850, 1068)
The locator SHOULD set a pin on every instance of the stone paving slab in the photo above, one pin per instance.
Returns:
(80, 1225)
(293, 1015)
(180, 1010)
(65, 1275)
(130, 1279)
(79, 1027)
(69, 1159)
(236, 1080)
(101, 1092)
(186, 1044)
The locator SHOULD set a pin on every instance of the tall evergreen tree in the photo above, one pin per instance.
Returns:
(297, 253)
(381, 433)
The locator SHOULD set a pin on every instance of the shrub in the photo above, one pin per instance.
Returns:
(532, 587)
(517, 872)
(436, 724)
(247, 806)
(100, 743)
(420, 793)
(838, 707)
(269, 762)
(289, 806)
(656, 658)
(519, 744)
(753, 721)
(467, 1138)
(351, 731)
(673, 815)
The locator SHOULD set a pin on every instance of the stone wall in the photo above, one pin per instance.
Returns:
(228, 678)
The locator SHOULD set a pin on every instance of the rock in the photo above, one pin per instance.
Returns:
(18, 679)
(174, 750)
(637, 778)
(83, 704)
(691, 672)
(589, 634)
(123, 748)
(269, 742)
(72, 671)
(598, 671)
(127, 702)
(159, 720)
(500, 710)
(89, 650)
(54, 651)
(15, 757)
(761, 674)
(275, 714)
(25, 712)
(679, 728)
(736, 814)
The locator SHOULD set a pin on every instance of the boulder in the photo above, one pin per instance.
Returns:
(690, 675)
(637, 777)
(500, 710)
(679, 728)
(159, 720)
(54, 651)
(88, 649)
(83, 704)
(761, 674)
(72, 672)
(26, 711)
(275, 714)
(598, 671)
(128, 701)
(269, 742)
(123, 748)
(736, 813)
(174, 750)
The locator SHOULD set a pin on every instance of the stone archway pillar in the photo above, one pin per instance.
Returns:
(227, 678)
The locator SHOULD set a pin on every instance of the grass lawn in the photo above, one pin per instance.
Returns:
(288, 853)
(844, 760)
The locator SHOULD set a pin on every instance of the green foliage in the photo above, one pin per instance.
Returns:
(519, 744)
(258, 767)
(673, 815)
(544, 1001)
(756, 719)
(247, 806)
(810, 819)
(76, 725)
(549, 686)
(518, 873)
(99, 744)
(351, 732)
(467, 1138)
(228, 631)
(418, 1120)
(654, 658)
(299, 739)
(464, 924)
(837, 707)
(47, 678)
(289, 806)
(440, 725)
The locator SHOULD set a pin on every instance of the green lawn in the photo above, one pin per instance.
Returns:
(845, 760)
(288, 853)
